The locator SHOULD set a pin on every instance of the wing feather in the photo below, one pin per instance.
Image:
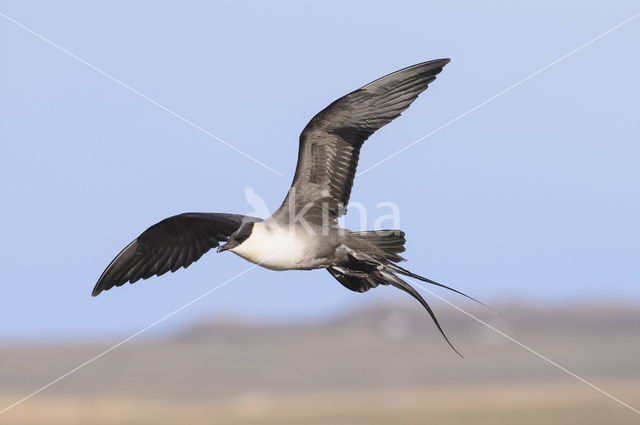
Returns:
(172, 243)
(330, 143)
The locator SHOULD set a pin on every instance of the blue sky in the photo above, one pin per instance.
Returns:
(532, 197)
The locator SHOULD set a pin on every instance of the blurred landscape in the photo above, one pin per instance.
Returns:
(376, 366)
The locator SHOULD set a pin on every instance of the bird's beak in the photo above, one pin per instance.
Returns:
(228, 245)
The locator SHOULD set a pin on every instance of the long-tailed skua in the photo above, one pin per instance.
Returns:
(303, 234)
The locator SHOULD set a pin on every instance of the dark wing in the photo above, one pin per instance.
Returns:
(330, 143)
(170, 244)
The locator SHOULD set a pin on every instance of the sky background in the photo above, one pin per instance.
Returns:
(533, 197)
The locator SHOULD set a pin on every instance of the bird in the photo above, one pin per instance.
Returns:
(303, 233)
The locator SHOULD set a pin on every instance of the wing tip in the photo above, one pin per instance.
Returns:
(435, 63)
(97, 290)
(435, 66)
(426, 69)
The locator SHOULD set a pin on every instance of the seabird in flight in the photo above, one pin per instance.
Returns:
(303, 234)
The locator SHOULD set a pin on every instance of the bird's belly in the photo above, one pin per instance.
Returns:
(278, 251)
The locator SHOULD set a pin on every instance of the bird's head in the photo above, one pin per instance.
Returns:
(239, 236)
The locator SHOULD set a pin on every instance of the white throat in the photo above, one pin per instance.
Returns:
(273, 247)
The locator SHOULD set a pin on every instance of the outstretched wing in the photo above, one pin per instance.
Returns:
(170, 244)
(330, 143)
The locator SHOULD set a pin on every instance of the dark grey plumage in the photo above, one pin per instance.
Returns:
(170, 244)
(330, 143)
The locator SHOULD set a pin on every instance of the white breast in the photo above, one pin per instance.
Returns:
(273, 248)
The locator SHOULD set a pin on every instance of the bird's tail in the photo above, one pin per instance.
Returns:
(370, 262)
(390, 242)
(361, 279)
